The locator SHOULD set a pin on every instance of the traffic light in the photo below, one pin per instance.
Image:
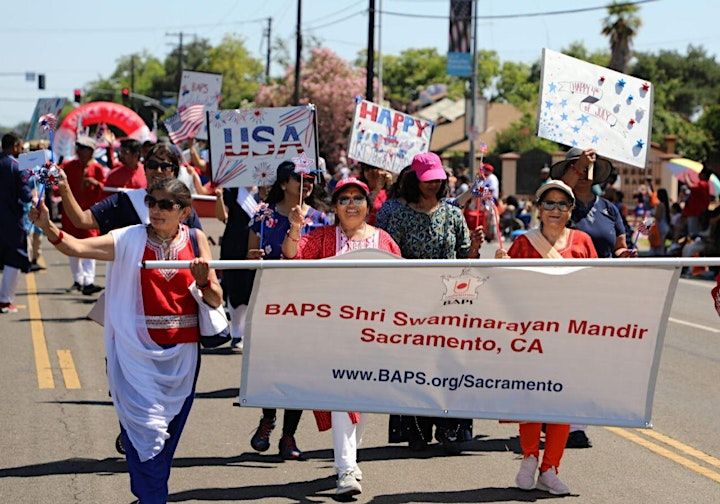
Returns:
(41, 81)
(125, 95)
(78, 95)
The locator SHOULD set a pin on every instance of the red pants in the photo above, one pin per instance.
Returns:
(556, 436)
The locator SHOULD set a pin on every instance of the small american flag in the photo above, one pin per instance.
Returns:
(185, 123)
(48, 122)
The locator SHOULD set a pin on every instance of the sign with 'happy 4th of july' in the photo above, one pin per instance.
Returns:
(386, 138)
(247, 145)
(589, 106)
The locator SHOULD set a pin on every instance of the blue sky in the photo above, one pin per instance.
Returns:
(74, 42)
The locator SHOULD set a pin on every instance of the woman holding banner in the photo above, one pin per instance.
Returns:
(596, 216)
(267, 232)
(429, 228)
(553, 240)
(151, 327)
(351, 201)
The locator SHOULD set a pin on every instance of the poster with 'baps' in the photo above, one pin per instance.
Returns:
(589, 106)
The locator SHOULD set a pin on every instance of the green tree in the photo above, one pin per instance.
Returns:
(242, 74)
(517, 85)
(195, 56)
(521, 137)
(578, 50)
(689, 81)
(147, 69)
(621, 25)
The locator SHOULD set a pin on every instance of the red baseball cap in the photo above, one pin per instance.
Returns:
(488, 167)
(427, 166)
(351, 181)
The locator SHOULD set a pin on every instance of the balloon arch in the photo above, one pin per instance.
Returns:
(99, 112)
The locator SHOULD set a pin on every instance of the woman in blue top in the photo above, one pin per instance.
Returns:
(267, 232)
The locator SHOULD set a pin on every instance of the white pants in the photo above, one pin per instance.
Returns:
(83, 270)
(9, 284)
(347, 437)
(237, 321)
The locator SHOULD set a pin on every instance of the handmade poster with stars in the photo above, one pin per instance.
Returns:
(202, 88)
(589, 106)
(247, 145)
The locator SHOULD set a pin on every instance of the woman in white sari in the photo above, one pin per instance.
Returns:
(152, 355)
(552, 240)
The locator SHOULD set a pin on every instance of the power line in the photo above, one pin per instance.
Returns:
(340, 11)
(523, 15)
(310, 28)
(129, 29)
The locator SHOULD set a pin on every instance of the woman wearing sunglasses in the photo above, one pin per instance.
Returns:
(265, 239)
(553, 240)
(151, 327)
(351, 202)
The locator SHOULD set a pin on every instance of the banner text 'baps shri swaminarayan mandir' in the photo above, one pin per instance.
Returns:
(570, 346)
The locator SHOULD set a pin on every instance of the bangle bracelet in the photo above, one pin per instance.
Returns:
(57, 240)
(296, 240)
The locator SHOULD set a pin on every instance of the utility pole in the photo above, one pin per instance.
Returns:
(180, 54)
(298, 54)
(132, 73)
(268, 32)
(381, 95)
(370, 69)
(473, 92)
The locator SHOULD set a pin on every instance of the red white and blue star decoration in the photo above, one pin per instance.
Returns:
(584, 105)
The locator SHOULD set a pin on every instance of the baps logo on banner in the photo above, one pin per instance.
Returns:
(462, 288)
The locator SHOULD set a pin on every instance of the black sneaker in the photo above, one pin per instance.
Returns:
(91, 289)
(288, 449)
(119, 445)
(261, 439)
(74, 287)
(578, 439)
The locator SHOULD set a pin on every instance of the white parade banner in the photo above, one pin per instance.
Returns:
(386, 138)
(202, 88)
(561, 344)
(247, 145)
(589, 106)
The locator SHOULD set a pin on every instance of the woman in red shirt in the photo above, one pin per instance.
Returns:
(553, 240)
(151, 332)
(351, 201)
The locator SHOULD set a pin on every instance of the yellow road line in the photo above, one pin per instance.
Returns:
(42, 358)
(708, 459)
(67, 366)
(664, 452)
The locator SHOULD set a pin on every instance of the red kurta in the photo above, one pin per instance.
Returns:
(171, 313)
(579, 246)
(86, 195)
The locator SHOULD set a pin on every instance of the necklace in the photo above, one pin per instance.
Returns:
(164, 243)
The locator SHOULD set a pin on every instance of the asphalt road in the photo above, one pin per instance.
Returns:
(57, 442)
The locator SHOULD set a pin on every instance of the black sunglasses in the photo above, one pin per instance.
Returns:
(345, 200)
(162, 166)
(163, 204)
(563, 205)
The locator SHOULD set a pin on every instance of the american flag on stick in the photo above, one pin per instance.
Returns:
(185, 123)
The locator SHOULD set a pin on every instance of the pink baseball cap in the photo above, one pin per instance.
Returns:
(351, 181)
(427, 166)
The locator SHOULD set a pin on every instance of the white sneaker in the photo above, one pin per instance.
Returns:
(525, 479)
(347, 484)
(357, 473)
(549, 482)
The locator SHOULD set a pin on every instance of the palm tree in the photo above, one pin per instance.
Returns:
(621, 25)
